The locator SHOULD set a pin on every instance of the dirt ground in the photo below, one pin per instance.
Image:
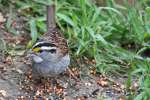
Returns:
(15, 84)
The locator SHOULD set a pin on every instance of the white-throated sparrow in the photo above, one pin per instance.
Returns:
(50, 55)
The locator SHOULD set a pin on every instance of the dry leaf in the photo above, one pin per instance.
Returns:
(3, 93)
(19, 71)
(9, 60)
(122, 98)
(2, 19)
(102, 83)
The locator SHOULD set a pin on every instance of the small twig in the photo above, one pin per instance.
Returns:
(51, 23)
(72, 74)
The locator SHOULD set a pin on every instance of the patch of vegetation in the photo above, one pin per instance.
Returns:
(115, 36)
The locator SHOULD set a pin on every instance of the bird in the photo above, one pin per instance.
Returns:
(50, 53)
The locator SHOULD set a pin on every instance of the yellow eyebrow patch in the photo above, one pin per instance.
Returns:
(37, 49)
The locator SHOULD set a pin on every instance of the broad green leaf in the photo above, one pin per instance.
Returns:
(44, 2)
(65, 18)
(100, 38)
(91, 32)
(33, 29)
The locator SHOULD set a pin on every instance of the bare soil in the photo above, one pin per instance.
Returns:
(15, 80)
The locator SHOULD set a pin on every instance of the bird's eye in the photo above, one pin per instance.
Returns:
(52, 51)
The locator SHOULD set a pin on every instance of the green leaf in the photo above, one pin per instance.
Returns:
(111, 9)
(44, 2)
(100, 38)
(148, 11)
(139, 97)
(33, 29)
(67, 19)
(91, 32)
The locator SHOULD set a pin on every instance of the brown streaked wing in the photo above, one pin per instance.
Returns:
(54, 36)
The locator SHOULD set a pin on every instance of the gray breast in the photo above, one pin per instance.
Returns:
(50, 69)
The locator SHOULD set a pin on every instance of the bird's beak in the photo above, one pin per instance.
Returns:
(35, 57)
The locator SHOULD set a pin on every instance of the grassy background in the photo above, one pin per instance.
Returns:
(116, 36)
